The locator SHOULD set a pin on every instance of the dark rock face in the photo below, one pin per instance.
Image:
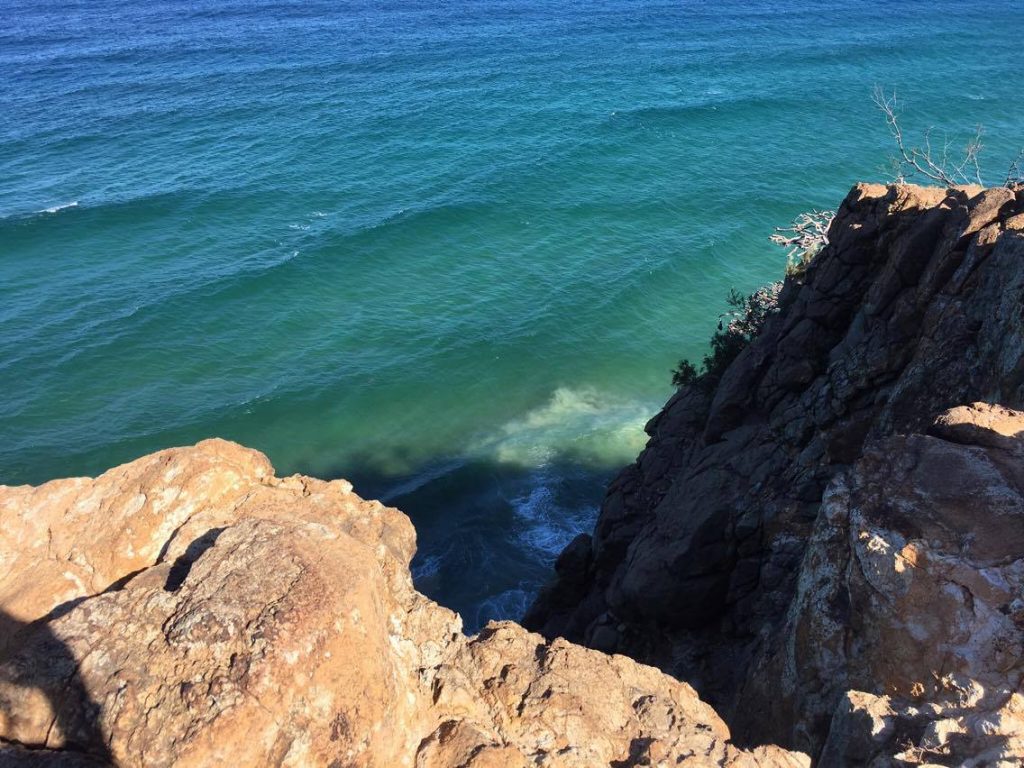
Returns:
(916, 306)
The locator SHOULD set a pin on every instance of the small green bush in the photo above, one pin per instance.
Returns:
(736, 329)
(684, 373)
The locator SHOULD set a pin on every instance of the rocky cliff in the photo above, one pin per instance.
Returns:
(192, 609)
(826, 545)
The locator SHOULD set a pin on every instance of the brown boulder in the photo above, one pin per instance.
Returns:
(190, 608)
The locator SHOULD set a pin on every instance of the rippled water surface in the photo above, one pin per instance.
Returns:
(447, 250)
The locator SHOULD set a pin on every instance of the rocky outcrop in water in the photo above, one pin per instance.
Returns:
(830, 545)
(192, 609)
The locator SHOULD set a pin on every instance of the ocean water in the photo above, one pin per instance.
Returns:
(449, 250)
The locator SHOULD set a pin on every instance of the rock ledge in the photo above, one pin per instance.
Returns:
(192, 609)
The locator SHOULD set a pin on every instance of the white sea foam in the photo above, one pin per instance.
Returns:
(56, 208)
(427, 567)
(533, 506)
(512, 603)
(580, 422)
(546, 525)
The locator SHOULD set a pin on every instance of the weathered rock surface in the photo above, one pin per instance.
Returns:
(192, 609)
(711, 554)
(908, 610)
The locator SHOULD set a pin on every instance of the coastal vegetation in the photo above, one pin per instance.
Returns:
(736, 329)
(855, 472)
(738, 326)
(808, 234)
(934, 160)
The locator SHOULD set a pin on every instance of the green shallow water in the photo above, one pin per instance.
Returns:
(447, 250)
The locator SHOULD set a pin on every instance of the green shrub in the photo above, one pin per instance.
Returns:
(736, 329)
(684, 373)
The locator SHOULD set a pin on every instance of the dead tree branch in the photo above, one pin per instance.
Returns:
(1015, 173)
(807, 235)
(922, 160)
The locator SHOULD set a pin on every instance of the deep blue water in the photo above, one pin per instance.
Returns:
(448, 250)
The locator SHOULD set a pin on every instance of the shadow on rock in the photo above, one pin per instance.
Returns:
(488, 532)
(47, 716)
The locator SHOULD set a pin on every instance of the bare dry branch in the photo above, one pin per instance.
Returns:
(921, 160)
(1015, 173)
(807, 235)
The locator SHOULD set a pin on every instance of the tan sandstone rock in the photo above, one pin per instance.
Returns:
(192, 609)
(905, 641)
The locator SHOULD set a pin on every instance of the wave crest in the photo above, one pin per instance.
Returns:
(56, 208)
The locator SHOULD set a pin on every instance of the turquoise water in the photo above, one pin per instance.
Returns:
(448, 250)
